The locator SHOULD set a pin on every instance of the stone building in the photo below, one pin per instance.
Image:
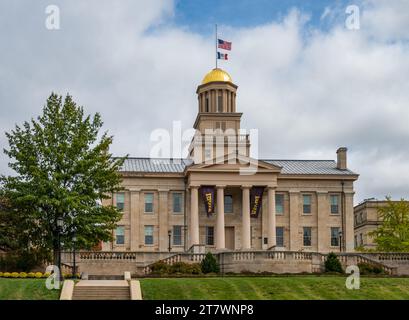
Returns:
(366, 220)
(305, 205)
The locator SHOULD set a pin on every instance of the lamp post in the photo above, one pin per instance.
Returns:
(170, 236)
(340, 241)
(60, 223)
(74, 241)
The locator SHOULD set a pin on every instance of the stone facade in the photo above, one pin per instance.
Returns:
(366, 220)
(306, 206)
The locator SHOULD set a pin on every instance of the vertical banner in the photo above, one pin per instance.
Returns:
(256, 196)
(208, 198)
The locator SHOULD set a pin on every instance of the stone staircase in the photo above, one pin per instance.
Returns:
(102, 290)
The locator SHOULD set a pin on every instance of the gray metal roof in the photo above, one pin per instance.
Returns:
(152, 165)
(309, 167)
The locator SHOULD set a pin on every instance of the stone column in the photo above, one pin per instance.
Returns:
(295, 237)
(163, 219)
(224, 93)
(214, 99)
(322, 217)
(220, 236)
(135, 219)
(348, 232)
(194, 216)
(228, 101)
(271, 205)
(245, 233)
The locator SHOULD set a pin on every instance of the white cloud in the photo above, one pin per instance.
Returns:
(307, 91)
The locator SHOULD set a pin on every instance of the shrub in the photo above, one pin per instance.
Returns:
(195, 268)
(368, 268)
(23, 275)
(31, 275)
(46, 274)
(209, 264)
(6, 274)
(38, 275)
(160, 268)
(15, 275)
(1, 274)
(332, 264)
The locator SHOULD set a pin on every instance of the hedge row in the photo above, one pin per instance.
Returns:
(32, 275)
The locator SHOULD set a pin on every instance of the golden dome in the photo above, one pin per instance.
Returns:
(217, 75)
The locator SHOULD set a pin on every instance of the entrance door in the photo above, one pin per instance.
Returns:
(229, 234)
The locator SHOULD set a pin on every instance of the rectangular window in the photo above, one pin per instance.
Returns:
(356, 241)
(306, 204)
(149, 202)
(334, 204)
(228, 204)
(120, 235)
(120, 201)
(219, 103)
(207, 104)
(279, 204)
(210, 236)
(335, 237)
(307, 236)
(177, 202)
(177, 235)
(149, 235)
(361, 239)
(280, 236)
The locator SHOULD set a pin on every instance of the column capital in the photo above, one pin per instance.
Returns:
(194, 186)
(134, 189)
(246, 186)
(163, 190)
(322, 192)
(271, 187)
(220, 186)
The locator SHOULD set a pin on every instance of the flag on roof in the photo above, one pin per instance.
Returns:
(225, 45)
(222, 56)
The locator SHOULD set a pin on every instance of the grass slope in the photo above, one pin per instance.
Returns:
(26, 289)
(273, 288)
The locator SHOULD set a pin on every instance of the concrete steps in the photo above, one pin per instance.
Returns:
(101, 290)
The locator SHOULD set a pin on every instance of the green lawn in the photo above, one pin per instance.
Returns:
(26, 289)
(233, 288)
(273, 288)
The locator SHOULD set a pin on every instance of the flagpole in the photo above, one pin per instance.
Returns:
(216, 45)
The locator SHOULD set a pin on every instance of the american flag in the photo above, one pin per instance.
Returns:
(224, 44)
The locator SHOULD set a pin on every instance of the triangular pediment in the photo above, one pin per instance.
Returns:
(234, 162)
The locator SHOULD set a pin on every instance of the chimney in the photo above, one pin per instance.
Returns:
(342, 158)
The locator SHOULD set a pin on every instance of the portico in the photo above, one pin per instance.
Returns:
(223, 176)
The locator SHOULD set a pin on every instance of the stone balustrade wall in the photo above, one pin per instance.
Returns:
(116, 263)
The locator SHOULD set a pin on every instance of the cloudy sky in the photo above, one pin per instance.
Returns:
(307, 82)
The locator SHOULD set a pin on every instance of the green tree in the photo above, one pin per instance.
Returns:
(393, 233)
(63, 170)
(332, 263)
(209, 264)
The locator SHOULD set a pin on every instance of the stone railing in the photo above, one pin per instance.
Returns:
(96, 262)
(102, 255)
(355, 258)
(274, 255)
(179, 257)
(389, 256)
